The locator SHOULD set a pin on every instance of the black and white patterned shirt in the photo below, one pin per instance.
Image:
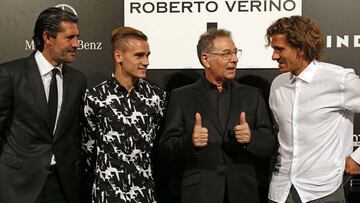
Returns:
(118, 139)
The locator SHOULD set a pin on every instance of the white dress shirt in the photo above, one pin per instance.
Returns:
(45, 72)
(314, 112)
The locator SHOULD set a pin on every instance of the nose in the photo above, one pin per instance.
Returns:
(234, 57)
(275, 56)
(75, 43)
(145, 61)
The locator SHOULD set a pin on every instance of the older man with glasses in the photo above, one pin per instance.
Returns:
(219, 128)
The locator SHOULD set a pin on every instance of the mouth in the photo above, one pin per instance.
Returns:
(281, 63)
(72, 53)
(142, 69)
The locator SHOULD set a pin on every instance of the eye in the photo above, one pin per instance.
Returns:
(71, 37)
(139, 55)
(279, 48)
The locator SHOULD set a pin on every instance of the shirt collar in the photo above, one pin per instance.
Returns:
(119, 87)
(209, 85)
(307, 74)
(44, 66)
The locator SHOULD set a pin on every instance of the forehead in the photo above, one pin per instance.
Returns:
(133, 44)
(279, 40)
(68, 27)
(223, 43)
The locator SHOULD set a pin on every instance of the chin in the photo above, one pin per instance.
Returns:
(283, 70)
(69, 60)
(230, 77)
(142, 76)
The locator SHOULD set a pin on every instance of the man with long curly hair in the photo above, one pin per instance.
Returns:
(313, 104)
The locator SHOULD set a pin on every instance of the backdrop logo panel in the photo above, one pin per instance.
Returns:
(83, 45)
(356, 140)
(174, 27)
(343, 41)
(67, 7)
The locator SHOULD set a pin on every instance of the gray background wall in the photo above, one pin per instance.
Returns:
(99, 17)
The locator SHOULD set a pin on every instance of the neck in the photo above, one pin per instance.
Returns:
(220, 88)
(301, 68)
(125, 81)
(46, 55)
(218, 83)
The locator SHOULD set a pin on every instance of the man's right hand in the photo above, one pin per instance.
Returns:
(351, 167)
(200, 134)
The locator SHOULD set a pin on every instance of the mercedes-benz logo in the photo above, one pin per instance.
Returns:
(67, 7)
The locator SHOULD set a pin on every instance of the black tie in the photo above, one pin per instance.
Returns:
(53, 99)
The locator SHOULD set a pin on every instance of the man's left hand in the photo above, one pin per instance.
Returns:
(242, 131)
(351, 167)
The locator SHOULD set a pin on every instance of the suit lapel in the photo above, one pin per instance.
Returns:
(37, 88)
(203, 100)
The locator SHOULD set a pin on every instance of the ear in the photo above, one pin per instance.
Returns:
(118, 56)
(300, 52)
(205, 60)
(47, 38)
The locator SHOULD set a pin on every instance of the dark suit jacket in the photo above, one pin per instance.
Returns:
(27, 143)
(223, 165)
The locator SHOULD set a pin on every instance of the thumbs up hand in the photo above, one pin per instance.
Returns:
(242, 131)
(200, 134)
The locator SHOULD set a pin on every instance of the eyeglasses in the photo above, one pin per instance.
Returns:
(228, 55)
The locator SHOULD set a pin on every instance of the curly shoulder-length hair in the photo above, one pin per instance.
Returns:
(301, 32)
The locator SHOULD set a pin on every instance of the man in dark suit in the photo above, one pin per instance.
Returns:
(218, 127)
(40, 111)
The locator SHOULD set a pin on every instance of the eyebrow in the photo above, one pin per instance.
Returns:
(277, 47)
(230, 49)
(142, 53)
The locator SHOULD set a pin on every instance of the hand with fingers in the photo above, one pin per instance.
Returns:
(242, 131)
(351, 167)
(200, 133)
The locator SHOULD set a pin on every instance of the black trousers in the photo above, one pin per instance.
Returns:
(52, 191)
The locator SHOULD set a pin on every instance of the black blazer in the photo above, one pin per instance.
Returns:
(27, 143)
(223, 164)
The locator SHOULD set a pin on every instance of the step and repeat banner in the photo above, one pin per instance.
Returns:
(174, 27)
